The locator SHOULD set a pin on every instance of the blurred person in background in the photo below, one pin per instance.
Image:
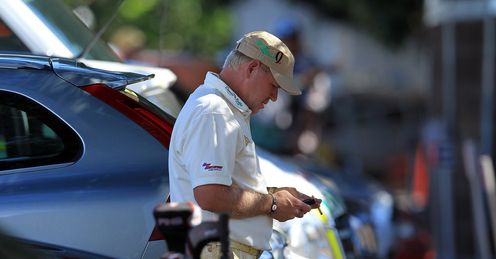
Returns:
(294, 125)
(212, 158)
(128, 41)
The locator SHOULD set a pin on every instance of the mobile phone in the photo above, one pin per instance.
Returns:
(309, 201)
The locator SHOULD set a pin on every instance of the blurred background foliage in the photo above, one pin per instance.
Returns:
(202, 27)
(192, 26)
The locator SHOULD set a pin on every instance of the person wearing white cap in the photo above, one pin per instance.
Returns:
(212, 157)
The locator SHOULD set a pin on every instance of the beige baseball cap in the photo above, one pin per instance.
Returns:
(272, 52)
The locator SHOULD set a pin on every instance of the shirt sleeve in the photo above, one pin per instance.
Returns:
(210, 150)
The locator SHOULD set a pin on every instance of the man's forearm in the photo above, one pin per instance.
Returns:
(238, 202)
(250, 203)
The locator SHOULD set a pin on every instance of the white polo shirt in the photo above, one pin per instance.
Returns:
(212, 144)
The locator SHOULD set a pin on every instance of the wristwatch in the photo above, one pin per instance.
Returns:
(273, 207)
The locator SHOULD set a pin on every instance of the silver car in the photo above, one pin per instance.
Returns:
(83, 161)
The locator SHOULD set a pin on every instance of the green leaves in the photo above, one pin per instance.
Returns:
(134, 9)
(200, 29)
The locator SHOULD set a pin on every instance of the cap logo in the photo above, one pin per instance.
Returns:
(264, 48)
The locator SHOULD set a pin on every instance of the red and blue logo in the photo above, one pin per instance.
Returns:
(210, 167)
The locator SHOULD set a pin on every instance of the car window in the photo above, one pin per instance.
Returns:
(66, 35)
(69, 29)
(30, 135)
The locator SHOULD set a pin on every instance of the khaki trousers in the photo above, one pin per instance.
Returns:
(237, 251)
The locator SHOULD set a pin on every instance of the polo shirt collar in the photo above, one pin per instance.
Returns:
(213, 80)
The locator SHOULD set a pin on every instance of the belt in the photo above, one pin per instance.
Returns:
(245, 248)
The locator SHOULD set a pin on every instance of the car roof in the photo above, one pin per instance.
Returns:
(23, 61)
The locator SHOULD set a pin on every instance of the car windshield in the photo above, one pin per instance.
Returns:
(48, 27)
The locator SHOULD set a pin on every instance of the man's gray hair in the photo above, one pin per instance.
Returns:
(234, 59)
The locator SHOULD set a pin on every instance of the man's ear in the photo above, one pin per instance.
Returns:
(252, 65)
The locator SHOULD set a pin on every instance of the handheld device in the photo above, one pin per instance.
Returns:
(309, 201)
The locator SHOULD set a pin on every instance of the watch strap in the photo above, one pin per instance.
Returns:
(273, 207)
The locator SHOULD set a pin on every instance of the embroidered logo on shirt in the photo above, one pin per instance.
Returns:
(210, 167)
(247, 140)
(233, 95)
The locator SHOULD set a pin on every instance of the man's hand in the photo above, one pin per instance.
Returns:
(288, 206)
(298, 195)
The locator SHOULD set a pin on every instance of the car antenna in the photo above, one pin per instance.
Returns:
(100, 32)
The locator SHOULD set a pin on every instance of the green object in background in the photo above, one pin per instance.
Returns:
(3, 148)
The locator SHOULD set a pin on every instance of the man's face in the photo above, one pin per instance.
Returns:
(261, 87)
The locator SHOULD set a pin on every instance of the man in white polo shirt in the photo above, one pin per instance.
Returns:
(212, 158)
